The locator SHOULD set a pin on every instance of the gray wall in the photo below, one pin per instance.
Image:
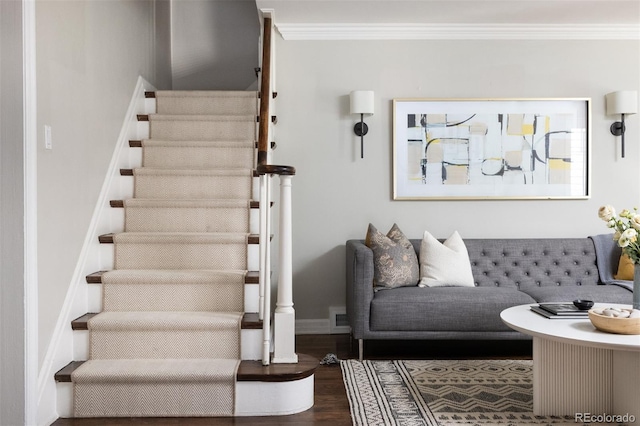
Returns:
(336, 194)
(214, 44)
(12, 291)
(89, 56)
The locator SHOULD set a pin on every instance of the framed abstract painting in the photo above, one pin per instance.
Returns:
(447, 149)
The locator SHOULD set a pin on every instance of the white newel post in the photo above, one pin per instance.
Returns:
(284, 317)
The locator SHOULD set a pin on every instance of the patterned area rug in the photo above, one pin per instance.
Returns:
(442, 392)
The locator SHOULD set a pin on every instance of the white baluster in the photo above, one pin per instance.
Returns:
(266, 320)
(263, 242)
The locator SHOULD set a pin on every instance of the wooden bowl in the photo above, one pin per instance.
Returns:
(615, 325)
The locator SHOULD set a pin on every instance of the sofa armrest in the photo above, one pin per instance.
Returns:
(359, 260)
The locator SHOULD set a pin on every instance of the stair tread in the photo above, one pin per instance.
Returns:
(194, 237)
(139, 143)
(252, 204)
(252, 371)
(225, 118)
(165, 320)
(190, 172)
(161, 202)
(250, 321)
(250, 277)
(249, 143)
(206, 93)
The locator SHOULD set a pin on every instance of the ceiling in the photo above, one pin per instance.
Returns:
(554, 12)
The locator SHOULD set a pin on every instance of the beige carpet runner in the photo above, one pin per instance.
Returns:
(167, 343)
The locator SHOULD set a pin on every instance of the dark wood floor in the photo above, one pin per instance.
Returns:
(331, 406)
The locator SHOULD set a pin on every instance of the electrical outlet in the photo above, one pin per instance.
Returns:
(47, 137)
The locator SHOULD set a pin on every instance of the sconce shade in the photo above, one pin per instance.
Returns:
(362, 102)
(622, 102)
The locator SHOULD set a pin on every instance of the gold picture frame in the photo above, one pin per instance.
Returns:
(491, 149)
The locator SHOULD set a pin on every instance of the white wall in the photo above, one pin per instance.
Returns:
(12, 242)
(336, 194)
(89, 56)
(214, 44)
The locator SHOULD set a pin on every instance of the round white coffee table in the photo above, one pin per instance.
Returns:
(578, 370)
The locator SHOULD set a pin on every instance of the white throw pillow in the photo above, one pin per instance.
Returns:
(444, 265)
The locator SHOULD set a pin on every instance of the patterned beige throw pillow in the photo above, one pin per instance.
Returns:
(444, 264)
(395, 261)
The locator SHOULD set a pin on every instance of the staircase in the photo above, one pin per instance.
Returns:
(179, 333)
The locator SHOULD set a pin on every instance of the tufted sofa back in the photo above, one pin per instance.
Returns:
(529, 263)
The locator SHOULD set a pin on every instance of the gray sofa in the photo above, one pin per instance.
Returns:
(507, 272)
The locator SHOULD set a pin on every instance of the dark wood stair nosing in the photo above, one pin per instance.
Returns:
(248, 371)
(81, 322)
(273, 145)
(274, 119)
(64, 374)
(119, 204)
(251, 277)
(251, 239)
(152, 95)
(137, 143)
(129, 172)
(250, 321)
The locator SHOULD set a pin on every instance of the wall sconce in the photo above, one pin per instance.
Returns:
(624, 102)
(361, 103)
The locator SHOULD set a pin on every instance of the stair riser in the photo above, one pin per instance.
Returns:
(187, 130)
(117, 218)
(250, 346)
(107, 260)
(218, 297)
(181, 256)
(153, 400)
(206, 105)
(95, 301)
(252, 398)
(175, 344)
(193, 219)
(197, 158)
(193, 187)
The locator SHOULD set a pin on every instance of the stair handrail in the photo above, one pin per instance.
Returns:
(284, 315)
(265, 93)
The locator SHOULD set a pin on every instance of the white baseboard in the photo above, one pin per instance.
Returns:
(319, 326)
(313, 326)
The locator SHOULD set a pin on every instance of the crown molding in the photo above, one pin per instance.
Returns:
(459, 31)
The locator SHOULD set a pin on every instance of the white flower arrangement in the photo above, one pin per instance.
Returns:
(626, 226)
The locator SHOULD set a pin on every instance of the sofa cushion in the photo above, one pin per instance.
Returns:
(444, 264)
(532, 263)
(395, 262)
(599, 294)
(443, 308)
